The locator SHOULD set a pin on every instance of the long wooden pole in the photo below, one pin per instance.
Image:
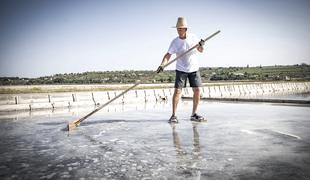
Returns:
(77, 122)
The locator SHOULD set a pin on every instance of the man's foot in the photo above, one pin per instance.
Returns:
(197, 118)
(173, 119)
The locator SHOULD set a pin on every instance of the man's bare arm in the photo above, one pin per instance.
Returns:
(163, 62)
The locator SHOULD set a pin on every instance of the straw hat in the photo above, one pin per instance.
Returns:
(181, 23)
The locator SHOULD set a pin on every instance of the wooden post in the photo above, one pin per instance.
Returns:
(16, 100)
(247, 88)
(145, 99)
(261, 86)
(73, 98)
(108, 95)
(227, 87)
(242, 89)
(220, 90)
(123, 99)
(93, 97)
(155, 95)
(287, 87)
(49, 98)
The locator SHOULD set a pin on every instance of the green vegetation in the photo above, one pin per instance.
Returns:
(265, 73)
(262, 73)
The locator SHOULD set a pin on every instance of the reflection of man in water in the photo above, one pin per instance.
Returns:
(188, 164)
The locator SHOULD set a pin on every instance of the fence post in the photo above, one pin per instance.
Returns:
(16, 100)
(123, 99)
(49, 98)
(155, 95)
(73, 98)
(93, 97)
(108, 95)
(145, 96)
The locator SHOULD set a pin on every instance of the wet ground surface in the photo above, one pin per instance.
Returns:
(296, 96)
(239, 141)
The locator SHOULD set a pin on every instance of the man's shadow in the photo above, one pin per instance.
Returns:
(188, 164)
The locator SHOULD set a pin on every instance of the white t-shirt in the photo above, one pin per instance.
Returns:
(188, 62)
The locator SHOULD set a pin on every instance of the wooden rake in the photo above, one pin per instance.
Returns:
(77, 122)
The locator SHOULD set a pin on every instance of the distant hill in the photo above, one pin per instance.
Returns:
(260, 73)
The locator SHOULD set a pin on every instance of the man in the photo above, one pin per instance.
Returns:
(186, 68)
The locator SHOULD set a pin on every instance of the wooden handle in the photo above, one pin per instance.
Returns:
(77, 122)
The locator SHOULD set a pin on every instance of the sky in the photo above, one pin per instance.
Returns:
(46, 37)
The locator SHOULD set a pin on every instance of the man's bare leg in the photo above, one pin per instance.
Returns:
(196, 99)
(175, 100)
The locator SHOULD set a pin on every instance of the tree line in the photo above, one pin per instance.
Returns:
(258, 73)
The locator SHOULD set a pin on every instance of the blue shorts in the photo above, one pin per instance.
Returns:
(181, 78)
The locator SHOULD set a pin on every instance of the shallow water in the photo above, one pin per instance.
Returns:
(239, 141)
